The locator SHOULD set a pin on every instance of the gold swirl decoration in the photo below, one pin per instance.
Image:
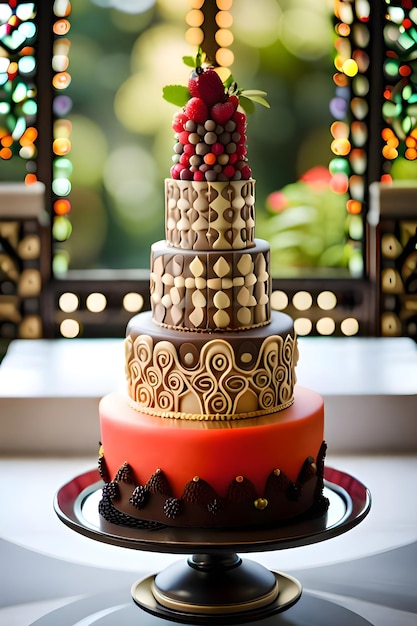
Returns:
(217, 387)
(210, 216)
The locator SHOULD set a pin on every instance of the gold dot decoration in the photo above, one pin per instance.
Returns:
(239, 479)
(261, 503)
(211, 22)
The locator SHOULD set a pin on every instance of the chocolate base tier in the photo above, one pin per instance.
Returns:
(245, 473)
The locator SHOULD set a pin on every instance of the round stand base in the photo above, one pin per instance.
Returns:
(212, 609)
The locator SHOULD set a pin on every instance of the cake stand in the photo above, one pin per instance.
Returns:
(215, 585)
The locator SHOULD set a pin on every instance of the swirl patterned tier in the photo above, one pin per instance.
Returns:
(224, 377)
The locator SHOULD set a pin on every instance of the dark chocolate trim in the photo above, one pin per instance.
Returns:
(282, 499)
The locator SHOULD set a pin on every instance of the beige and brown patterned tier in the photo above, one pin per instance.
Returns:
(210, 291)
(219, 377)
(210, 216)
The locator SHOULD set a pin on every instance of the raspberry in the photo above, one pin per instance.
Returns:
(198, 176)
(234, 100)
(229, 171)
(183, 137)
(196, 110)
(210, 87)
(222, 112)
(217, 148)
(185, 160)
(175, 171)
(178, 122)
(240, 119)
(189, 149)
(186, 174)
(246, 172)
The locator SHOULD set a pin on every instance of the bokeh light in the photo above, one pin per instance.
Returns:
(130, 181)
(138, 104)
(96, 302)
(256, 23)
(70, 328)
(279, 300)
(133, 302)
(68, 302)
(327, 300)
(302, 300)
(303, 326)
(326, 326)
(305, 31)
(126, 6)
(89, 150)
(349, 326)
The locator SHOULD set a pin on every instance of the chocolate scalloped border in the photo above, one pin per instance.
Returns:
(199, 497)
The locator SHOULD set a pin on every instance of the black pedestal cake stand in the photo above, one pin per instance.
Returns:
(215, 585)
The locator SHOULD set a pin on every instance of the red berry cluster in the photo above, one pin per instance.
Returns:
(210, 133)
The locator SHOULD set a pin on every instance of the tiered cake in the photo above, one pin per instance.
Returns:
(212, 430)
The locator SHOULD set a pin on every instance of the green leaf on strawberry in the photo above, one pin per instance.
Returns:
(180, 94)
(176, 94)
(255, 95)
(196, 61)
(247, 105)
(189, 61)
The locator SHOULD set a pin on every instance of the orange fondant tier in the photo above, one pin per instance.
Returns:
(210, 290)
(210, 216)
(236, 473)
(210, 376)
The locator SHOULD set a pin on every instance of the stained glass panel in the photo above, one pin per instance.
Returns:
(399, 109)
(18, 91)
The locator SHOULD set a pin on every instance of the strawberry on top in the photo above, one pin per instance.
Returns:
(210, 130)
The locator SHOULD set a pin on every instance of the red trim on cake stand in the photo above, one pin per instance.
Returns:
(215, 583)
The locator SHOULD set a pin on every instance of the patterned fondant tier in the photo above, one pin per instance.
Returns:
(227, 290)
(210, 376)
(210, 216)
(250, 472)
